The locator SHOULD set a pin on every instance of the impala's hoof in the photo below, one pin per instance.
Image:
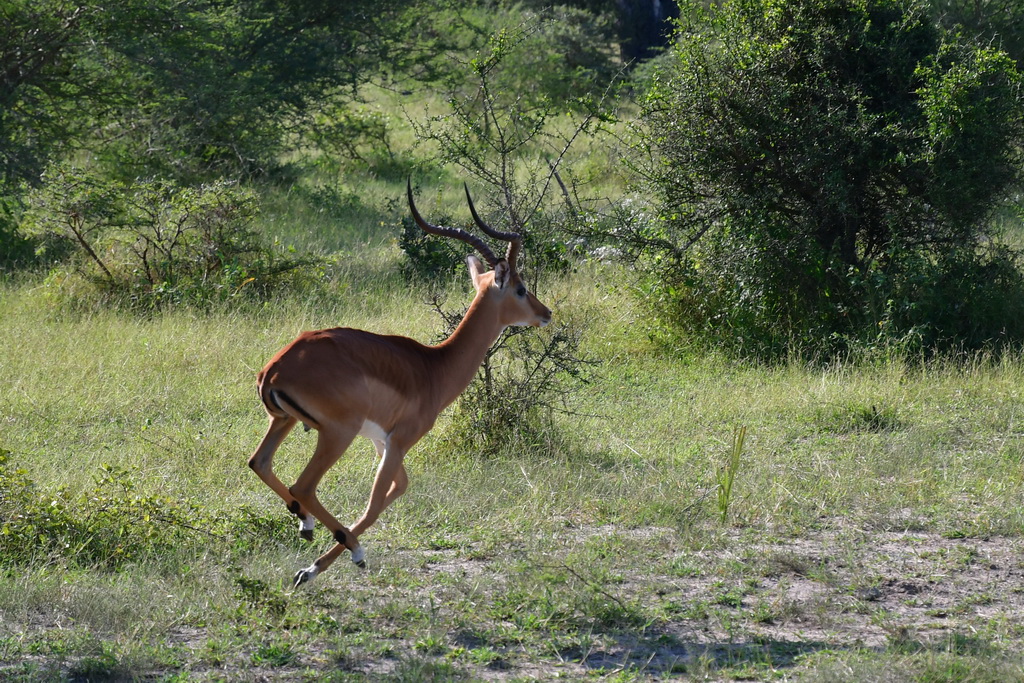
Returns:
(304, 576)
(306, 534)
(359, 557)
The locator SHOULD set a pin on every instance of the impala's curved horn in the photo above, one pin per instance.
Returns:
(454, 233)
(514, 239)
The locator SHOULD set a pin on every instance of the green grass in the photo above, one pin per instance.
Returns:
(599, 553)
(874, 526)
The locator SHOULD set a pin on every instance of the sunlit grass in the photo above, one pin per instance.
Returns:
(577, 535)
(173, 396)
(593, 550)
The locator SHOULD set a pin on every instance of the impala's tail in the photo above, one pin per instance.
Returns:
(280, 404)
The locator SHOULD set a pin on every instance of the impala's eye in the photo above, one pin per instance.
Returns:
(521, 291)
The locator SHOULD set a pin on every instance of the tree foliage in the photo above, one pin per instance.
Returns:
(46, 83)
(171, 88)
(231, 85)
(996, 22)
(818, 164)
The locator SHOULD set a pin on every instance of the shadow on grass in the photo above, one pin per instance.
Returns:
(659, 653)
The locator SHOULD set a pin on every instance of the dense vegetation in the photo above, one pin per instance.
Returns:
(779, 397)
(834, 170)
(817, 177)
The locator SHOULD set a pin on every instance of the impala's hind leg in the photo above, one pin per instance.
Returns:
(261, 462)
(331, 443)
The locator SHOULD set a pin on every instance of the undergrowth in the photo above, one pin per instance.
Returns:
(112, 525)
(149, 244)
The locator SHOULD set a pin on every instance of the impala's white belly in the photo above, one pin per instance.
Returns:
(373, 431)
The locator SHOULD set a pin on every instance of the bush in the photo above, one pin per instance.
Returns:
(527, 378)
(150, 243)
(109, 526)
(811, 160)
(427, 257)
(355, 134)
(968, 299)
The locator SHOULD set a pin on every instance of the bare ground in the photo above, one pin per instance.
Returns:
(909, 591)
(764, 609)
(749, 609)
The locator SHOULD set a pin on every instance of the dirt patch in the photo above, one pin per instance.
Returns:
(583, 602)
(775, 602)
(771, 604)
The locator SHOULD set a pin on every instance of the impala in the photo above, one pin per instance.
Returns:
(345, 383)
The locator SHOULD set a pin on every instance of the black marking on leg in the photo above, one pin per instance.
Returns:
(273, 401)
(341, 537)
(304, 575)
(296, 509)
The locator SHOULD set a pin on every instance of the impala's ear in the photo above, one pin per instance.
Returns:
(476, 269)
(502, 274)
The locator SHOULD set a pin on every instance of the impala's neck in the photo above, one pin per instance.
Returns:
(464, 351)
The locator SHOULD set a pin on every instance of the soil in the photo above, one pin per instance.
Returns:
(790, 598)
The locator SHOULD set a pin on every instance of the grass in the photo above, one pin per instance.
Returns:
(605, 554)
(874, 524)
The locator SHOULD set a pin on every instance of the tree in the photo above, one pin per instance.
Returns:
(228, 86)
(1000, 22)
(182, 90)
(818, 165)
(160, 86)
(46, 84)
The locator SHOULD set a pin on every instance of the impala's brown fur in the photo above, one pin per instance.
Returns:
(344, 382)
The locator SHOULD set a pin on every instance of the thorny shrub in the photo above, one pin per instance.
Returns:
(527, 378)
(150, 243)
